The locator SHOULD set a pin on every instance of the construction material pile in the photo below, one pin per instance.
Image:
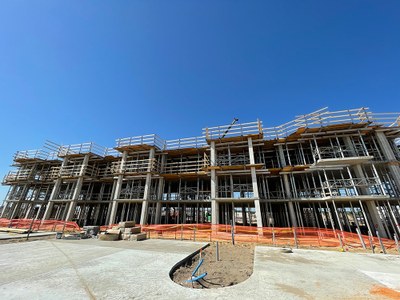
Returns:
(127, 231)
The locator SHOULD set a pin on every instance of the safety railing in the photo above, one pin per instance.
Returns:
(323, 117)
(18, 175)
(187, 194)
(84, 148)
(150, 140)
(192, 142)
(225, 131)
(87, 196)
(187, 166)
(112, 152)
(32, 154)
(106, 171)
(233, 160)
(135, 192)
(136, 166)
(338, 152)
(75, 171)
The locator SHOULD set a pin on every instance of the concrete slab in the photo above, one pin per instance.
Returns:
(4, 236)
(93, 269)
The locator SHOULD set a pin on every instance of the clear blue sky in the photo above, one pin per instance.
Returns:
(78, 71)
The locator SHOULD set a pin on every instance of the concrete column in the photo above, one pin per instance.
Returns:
(214, 184)
(159, 200)
(10, 196)
(373, 212)
(117, 189)
(3, 211)
(292, 213)
(158, 212)
(77, 189)
(349, 145)
(254, 183)
(31, 205)
(147, 189)
(15, 207)
(371, 205)
(214, 212)
(281, 156)
(110, 203)
(393, 165)
(54, 192)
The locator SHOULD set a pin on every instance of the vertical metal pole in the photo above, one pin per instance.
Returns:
(370, 241)
(340, 240)
(217, 251)
(273, 236)
(397, 243)
(380, 242)
(30, 228)
(181, 231)
(295, 238)
(233, 232)
(361, 238)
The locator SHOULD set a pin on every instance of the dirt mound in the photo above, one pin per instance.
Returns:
(235, 265)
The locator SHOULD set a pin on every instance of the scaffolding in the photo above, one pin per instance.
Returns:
(336, 170)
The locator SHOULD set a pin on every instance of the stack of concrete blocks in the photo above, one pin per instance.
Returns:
(124, 230)
(130, 232)
(113, 234)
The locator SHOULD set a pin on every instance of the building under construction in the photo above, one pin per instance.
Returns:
(337, 170)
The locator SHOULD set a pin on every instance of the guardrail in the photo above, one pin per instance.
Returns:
(150, 140)
(83, 148)
(33, 154)
(323, 117)
(191, 142)
(225, 131)
(187, 166)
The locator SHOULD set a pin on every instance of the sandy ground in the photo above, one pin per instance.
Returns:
(235, 265)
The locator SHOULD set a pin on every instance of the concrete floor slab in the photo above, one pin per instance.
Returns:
(92, 269)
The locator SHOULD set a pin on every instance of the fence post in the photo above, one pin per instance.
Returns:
(217, 251)
(273, 237)
(295, 238)
(380, 242)
(194, 233)
(370, 241)
(340, 240)
(30, 228)
(361, 238)
(181, 232)
(396, 240)
(233, 233)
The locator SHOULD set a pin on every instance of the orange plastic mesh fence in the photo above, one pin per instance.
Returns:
(306, 237)
(46, 225)
(282, 236)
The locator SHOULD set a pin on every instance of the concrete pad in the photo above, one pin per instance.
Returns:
(93, 269)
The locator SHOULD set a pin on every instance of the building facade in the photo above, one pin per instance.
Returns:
(325, 169)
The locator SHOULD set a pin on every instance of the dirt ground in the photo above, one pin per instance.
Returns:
(235, 265)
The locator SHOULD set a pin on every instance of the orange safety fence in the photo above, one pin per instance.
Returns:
(286, 236)
(42, 225)
(279, 236)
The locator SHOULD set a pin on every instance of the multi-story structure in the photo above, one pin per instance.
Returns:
(324, 169)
